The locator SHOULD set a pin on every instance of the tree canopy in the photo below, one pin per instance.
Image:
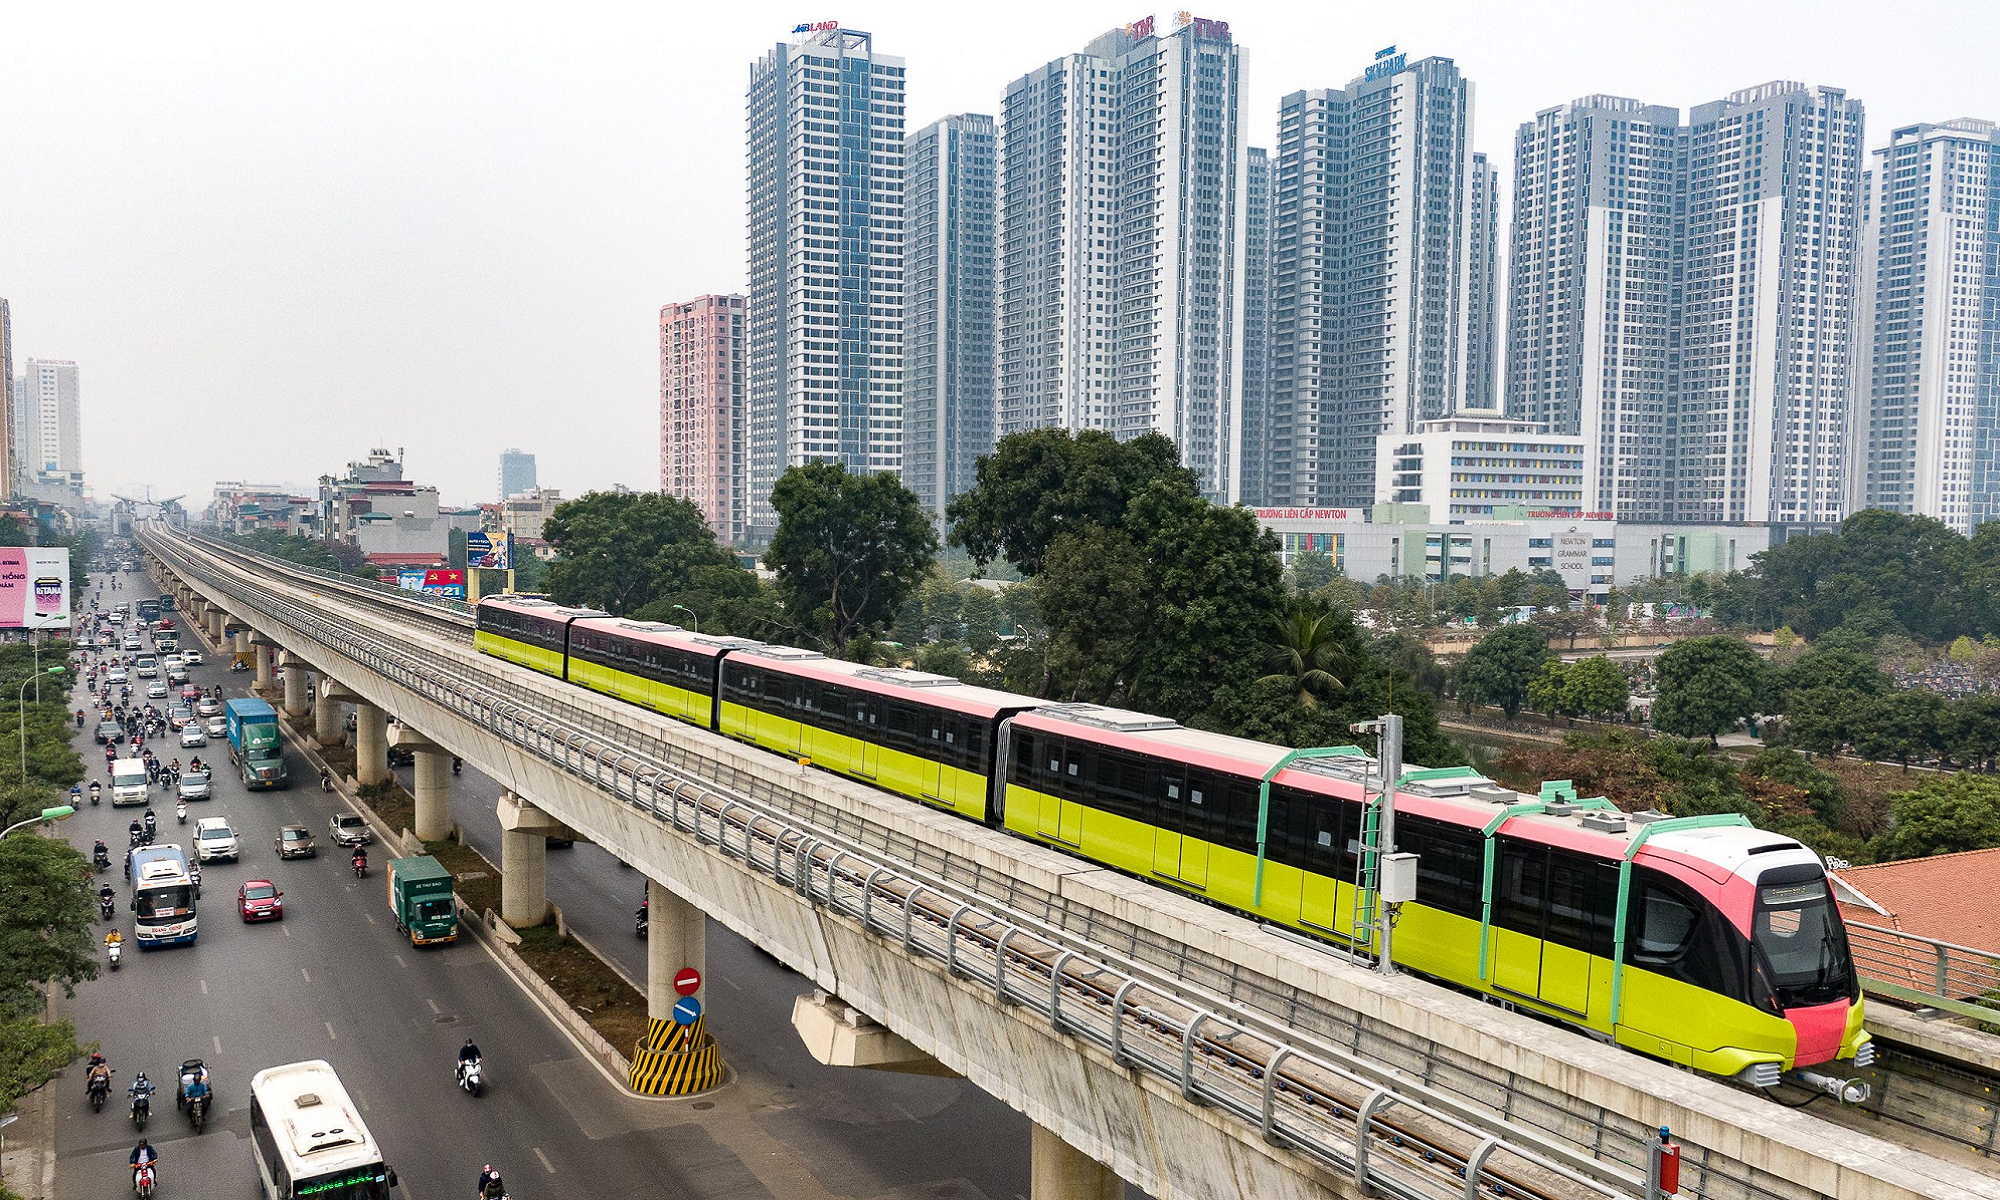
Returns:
(1943, 816)
(1706, 685)
(848, 552)
(1502, 666)
(1042, 483)
(47, 932)
(620, 551)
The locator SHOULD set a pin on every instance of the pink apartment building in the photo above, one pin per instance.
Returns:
(701, 409)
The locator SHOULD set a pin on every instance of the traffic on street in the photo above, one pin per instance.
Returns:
(293, 957)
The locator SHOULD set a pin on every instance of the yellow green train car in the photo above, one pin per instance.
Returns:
(1700, 941)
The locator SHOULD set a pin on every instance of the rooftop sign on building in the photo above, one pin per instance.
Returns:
(1387, 62)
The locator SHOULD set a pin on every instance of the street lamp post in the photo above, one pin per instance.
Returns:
(694, 622)
(48, 814)
(21, 706)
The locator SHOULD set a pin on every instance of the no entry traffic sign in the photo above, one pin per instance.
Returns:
(686, 1010)
(687, 981)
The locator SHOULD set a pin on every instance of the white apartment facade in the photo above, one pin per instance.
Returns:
(48, 414)
(1468, 469)
(1927, 386)
(824, 317)
(1122, 242)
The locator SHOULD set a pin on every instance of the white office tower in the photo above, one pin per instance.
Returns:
(1927, 395)
(1371, 271)
(824, 321)
(1121, 256)
(948, 309)
(1259, 198)
(1765, 307)
(1482, 290)
(48, 407)
(1589, 290)
(10, 446)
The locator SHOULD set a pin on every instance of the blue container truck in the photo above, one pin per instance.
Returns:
(254, 744)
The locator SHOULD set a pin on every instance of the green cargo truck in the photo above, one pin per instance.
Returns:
(420, 899)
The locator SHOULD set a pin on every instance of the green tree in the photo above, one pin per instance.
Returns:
(1547, 690)
(1310, 654)
(946, 658)
(979, 613)
(1898, 727)
(1945, 815)
(1037, 485)
(1822, 666)
(1312, 570)
(620, 551)
(46, 920)
(848, 551)
(1595, 686)
(1565, 623)
(1401, 652)
(1821, 720)
(1970, 731)
(1500, 667)
(1706, 685)
(1095, 593)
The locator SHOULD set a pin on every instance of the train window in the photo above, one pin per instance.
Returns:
(1022, 769)
(1678, 934)
(835, 703)
(899, 725)
(1521, 889)
(1451, 863)
(1121, 783)
(1663, 924)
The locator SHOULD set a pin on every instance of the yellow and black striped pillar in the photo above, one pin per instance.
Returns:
(676, 1059)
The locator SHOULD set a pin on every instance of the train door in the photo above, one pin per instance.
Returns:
(1316, 821)
(939, 741)
(1061, 819)
(1180, 849)
(866, 728)
(1544, 914)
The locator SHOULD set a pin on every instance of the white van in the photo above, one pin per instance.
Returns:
(128, 782)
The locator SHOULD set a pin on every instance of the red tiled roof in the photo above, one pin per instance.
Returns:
(1949, 897)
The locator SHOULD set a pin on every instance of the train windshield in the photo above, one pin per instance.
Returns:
(1798, 934)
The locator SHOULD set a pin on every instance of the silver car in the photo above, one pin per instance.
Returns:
(194, 786)
(218, 727)
(192, 736)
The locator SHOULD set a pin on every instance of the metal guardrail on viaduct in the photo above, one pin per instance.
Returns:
(1180, 1067)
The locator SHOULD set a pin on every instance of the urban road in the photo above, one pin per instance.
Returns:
(334, 980)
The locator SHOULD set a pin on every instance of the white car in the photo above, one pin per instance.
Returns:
(208, 706)
(218, 727)
(156, 690)
(191, 657)
(132, 643)
(117, 675)
(213, 839)
(192, 735)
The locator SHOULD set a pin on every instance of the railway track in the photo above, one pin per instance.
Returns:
(1219, 1054)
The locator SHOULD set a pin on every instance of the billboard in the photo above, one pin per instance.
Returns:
(34, 587)
(489, 551)
(449, 584)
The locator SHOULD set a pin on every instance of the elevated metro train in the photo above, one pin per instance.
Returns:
(1701, 941)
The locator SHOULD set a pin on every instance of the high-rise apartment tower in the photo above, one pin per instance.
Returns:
(824, 317)
(517, 472)
(702, 409)
(1122, 242)
(948, 307)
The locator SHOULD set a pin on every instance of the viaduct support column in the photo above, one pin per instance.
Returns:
(524, 861)
(677, 1055)
(297, 681)
(371, 744)
(433, 778)
(328, 728)
(262, 647)
(1059, 1171)
(215, 617)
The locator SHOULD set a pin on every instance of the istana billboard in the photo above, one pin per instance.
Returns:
(34, 587)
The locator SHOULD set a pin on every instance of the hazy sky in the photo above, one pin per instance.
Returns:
(273, 236)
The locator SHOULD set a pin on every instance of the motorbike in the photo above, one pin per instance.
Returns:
(138, 836)
(143, 1179)
(181, 811)
(93, 795)
(113, 952)
(361, 868)
(104, 908)
(142, 1107)
(197, 1111)
(325, 780)
(470, 1073)
(639, 921)
(457, 764)
(101, 859)
(98, 1089)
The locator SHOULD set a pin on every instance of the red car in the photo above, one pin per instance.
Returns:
(190, 693)
(260, 900)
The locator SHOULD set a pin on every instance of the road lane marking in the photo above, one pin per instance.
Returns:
(400, 962)
(330, 1033)
(204, 987)
(546, 1164)
(308, 978)
(434, 1006)
(217, 1039)
(287, 930)
(367, 918)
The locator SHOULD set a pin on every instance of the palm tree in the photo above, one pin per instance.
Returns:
(1309, 655)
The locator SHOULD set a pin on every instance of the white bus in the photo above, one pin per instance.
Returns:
(128, 782)
(309, 1140)
(163, 896)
